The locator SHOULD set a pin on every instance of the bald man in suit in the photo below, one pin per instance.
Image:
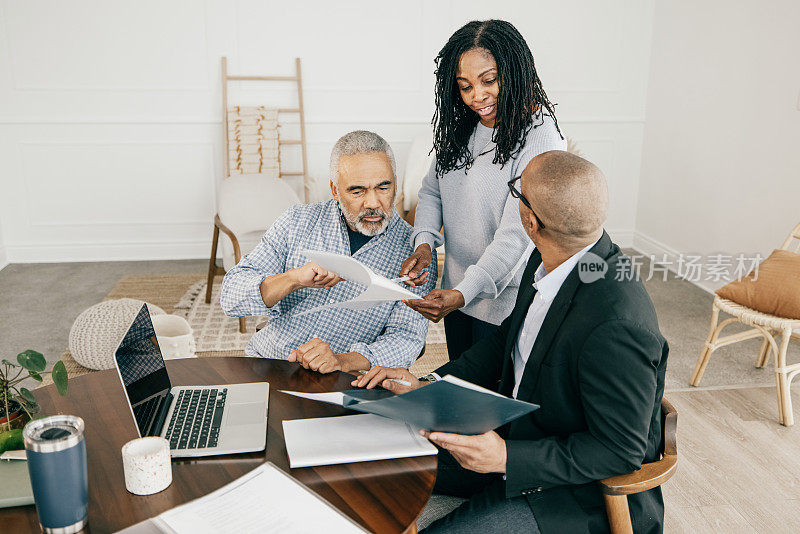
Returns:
(583, 345)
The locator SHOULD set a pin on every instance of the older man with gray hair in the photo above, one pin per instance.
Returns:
(278, 281)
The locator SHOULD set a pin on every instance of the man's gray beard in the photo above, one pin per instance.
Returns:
(368, 229)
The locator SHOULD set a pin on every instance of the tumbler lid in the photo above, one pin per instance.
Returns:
(54, 433)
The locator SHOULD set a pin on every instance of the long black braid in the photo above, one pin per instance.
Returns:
(521, 95)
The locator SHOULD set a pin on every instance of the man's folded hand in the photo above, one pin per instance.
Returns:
(316, 355)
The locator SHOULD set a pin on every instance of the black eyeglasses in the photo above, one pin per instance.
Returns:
(516, 194)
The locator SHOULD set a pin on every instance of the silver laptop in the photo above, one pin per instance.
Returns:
(197, 420)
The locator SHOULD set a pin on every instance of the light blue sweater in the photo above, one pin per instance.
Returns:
(485, 244)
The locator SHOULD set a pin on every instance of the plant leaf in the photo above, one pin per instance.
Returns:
(11, 440)
(23, 359)
(10, 364)
(27, 395)
(32, 360)
(35, 375)
(60, 377)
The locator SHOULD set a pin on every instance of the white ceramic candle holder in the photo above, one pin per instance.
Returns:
(174, 336)
(147, 465)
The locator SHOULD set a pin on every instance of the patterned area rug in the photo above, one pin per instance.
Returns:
(213, 330)
(216, 334)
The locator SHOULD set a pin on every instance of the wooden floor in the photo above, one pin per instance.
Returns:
(738, 469)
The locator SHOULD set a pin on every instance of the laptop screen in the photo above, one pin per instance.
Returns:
(141, 365)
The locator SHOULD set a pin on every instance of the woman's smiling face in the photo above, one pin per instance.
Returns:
(477, 82)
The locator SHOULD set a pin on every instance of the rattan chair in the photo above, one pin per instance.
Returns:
(616, 489)
(765, 326)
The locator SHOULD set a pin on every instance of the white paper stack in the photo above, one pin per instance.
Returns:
(351, 438)
(264, 500)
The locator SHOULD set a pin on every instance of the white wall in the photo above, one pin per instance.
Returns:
(721, 158)
(110, 112)
(3, 255)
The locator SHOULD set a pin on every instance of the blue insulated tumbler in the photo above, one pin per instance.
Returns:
(56, 454)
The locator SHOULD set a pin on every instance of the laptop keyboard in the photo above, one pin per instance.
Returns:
(196, 419)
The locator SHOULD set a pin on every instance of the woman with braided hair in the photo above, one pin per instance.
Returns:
(492, 117)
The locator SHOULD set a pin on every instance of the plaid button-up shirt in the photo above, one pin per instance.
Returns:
(391, 334)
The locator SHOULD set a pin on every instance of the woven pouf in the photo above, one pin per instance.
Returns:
(98, 331)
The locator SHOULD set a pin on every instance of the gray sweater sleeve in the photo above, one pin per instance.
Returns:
(511, 246)
(428, 219)
(500, 261)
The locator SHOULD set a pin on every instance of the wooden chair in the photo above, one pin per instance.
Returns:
(616, 489)
(221, 225)
(765, 326)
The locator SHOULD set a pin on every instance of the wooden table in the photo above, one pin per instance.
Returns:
(383, 496)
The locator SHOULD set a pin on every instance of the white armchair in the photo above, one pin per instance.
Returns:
(420, 158)
(419, 161)
(247, 205)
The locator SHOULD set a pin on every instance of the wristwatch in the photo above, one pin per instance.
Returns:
(430, 378)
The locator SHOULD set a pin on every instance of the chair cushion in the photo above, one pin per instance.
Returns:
(774, 287)
(248, 204)
(251, 202)
(419, 161)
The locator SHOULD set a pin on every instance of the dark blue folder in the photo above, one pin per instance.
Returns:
(442, 406)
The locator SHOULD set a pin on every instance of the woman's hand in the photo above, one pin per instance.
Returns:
(436, 304)
(414, 264)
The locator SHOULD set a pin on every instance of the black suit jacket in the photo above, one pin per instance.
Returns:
(597, 370)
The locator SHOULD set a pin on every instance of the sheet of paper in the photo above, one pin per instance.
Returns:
(351, 438)
(379, 289)
(334, 397)
(469, 385)
(264, 500)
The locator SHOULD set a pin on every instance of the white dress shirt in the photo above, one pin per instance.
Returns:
(547, 286)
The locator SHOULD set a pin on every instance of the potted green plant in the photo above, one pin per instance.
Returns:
(17, 404)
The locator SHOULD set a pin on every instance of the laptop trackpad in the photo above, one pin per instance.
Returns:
(249, 413)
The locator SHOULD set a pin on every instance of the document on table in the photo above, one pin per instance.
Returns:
(351, 438)
(343, 398)
(264, 500)
(379, 289)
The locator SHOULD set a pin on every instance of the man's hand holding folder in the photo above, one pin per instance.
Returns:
(483, 453)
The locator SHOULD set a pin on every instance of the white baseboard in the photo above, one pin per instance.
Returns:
(623, 238)
(650, 247)
(3, 257)
(75, 252)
